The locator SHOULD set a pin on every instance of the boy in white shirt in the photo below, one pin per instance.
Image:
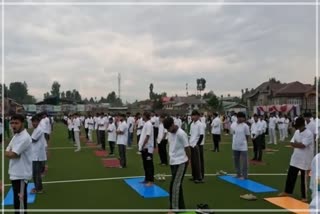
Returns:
(315, 185)
(122, 140)
(96, 122)
(162, 142)
(196, 137)
(179, 153)
(272, 129)
(264, 130)
(70, 129)
(216, 132)
(76, 131)
(102, 131)
(140, 124)
(86, 127)
(39, 154)
(90, 127)
(256, 136)
(301, 159)
(241, 133)
(281, 126)
(130, 123)
(19, 152)
(146, 147)
(112, 136)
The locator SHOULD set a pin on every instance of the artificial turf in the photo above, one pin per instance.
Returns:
(64, 164)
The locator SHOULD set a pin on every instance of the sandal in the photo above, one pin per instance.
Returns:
(249, 197)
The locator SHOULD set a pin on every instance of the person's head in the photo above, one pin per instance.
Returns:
(214, 115)
(128, 114)
(35, 120)
(97, 114)
(101, 114)
(255, 117)
(241, 117)
(300, 123)
(168, 124)
(44, 114)
(261, 117)
(17, 123)
(195, 115)
(146, 116)
(162, 117)
(110, 120)
(307, 116)
(138, 116)
(122, 117)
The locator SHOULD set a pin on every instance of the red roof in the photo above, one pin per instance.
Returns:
(294, 89)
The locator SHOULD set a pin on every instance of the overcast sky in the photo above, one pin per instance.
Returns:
(84, 47)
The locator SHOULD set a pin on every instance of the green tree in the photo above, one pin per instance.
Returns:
(18, 91)
(55, 89)
(213, 102)
(112, 97)
(63, 95)
(46, 95)
(69, 95)
(151, 93)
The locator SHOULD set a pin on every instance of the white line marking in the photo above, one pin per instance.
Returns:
(120, 178)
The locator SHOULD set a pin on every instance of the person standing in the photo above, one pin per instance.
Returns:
(281, 126)
(39, 154)
(196, 137)
(86, 127)
(76, 131)
(286, 126)
(162, 142)
(130, 123)
(256, 136)
(70, 129)
(102, 131)
(216, 132)
(179, 153)
(155, 122)
(240, 131)
(146, 147)
(122, 140)
(272, 129)
(90, 128)
(315, 185)
(264, 130)
(301, 159)
(112, 136)
(311, 126)
(140, 124)
(96, 127)
(19, 153)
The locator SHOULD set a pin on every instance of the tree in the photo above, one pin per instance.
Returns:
(46, 95)
(111, 98)
(69, 95)
(151, 94)
(63, 95)
(91, 100)
(55, 89)
(18, 91)
(213, 102)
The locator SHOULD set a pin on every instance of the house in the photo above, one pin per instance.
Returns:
(11, 107)
(184, 105)
(275, 93)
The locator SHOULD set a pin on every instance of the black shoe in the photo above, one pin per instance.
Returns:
(198, 181)
(191, 179)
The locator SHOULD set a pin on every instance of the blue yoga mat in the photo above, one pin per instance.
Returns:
(248, 184)
(153, 191)
(8, 200)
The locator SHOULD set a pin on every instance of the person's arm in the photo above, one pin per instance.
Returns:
(188, 152)
(298, 145)
(11, 155)
(145, 140)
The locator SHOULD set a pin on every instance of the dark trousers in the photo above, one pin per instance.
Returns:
(201, 160)
(87, 131)
(138, 139)
(257, 148)
(263, 141)
(195, 163)
(163, 152)
(43, 166)
(292, 178)
(102, 136)
(98, 137)
(69, 134)
(147, 160)
(216, 138)
(72, 134)
(19, 187)
(122, 154)
(111, 145)
(176, 192)
(155, 136)
(37, 169)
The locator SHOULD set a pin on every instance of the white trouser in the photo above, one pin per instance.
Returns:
(282, 134)
(90, 135)
(286, 133)
(77, 139)
(272, 136)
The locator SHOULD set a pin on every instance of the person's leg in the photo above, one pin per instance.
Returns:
(291, 179)
(90, 135)
(16, 192)
(87, 131)
(214, 143)
(138, 139)
(255, 150)
(201, 161)
(173, 175)
(270, 136)
(149, 167)
(73, 138)
(244, 163)
(144, 163)
(177, 201)
(236, 161)
(165, 154)
(98, 136)
(120, 148)
(77, 138)
(303, 184)
(198, 175)
(36, 174)
(218, 142)
(111, 149)
(259, 148)
(193, 163)
(160, 152)
(103, 140)
(69, 135)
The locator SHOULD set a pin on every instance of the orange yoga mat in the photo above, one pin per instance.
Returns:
(290, 204)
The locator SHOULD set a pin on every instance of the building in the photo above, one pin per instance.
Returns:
(11, 107)
(275, 93)
(184, 105)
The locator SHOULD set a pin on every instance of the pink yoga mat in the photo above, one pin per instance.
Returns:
(111, 163)
(100, 153)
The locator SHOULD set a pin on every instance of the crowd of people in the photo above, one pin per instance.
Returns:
(184, 135)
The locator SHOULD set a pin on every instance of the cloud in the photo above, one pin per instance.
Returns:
(85, 47)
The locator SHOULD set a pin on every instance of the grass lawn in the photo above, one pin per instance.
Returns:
(65, 165)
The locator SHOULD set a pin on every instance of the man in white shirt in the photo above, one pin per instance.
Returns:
(86, 127)
(272, 129)
(139, 125)
(301, 159)
(256, 136)
(216, 132)
(162, 142)
(76, 131)
(70, 129)
(155, 122)
(96, 122)
(19, 152)
(122, 140)
(311, 126)
(178, 121)
(39, 154)
(130, 123)
(240, 131)
(281, 126)
(196, 137)
(90, 127)
(179, 153)
(146, 147)
(46, 126)
(264, 130)
(102, 131)
(286, 126)
(112, 136)
(315, 185)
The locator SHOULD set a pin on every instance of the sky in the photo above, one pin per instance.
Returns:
(85, 47)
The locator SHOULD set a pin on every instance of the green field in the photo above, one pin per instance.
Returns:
(110, 192)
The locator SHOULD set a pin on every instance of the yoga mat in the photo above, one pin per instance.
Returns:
(248, 184)
(153, 191)
(111, 163)
(91, 145)
(8, 200)
(289, 203)
(100, 153)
